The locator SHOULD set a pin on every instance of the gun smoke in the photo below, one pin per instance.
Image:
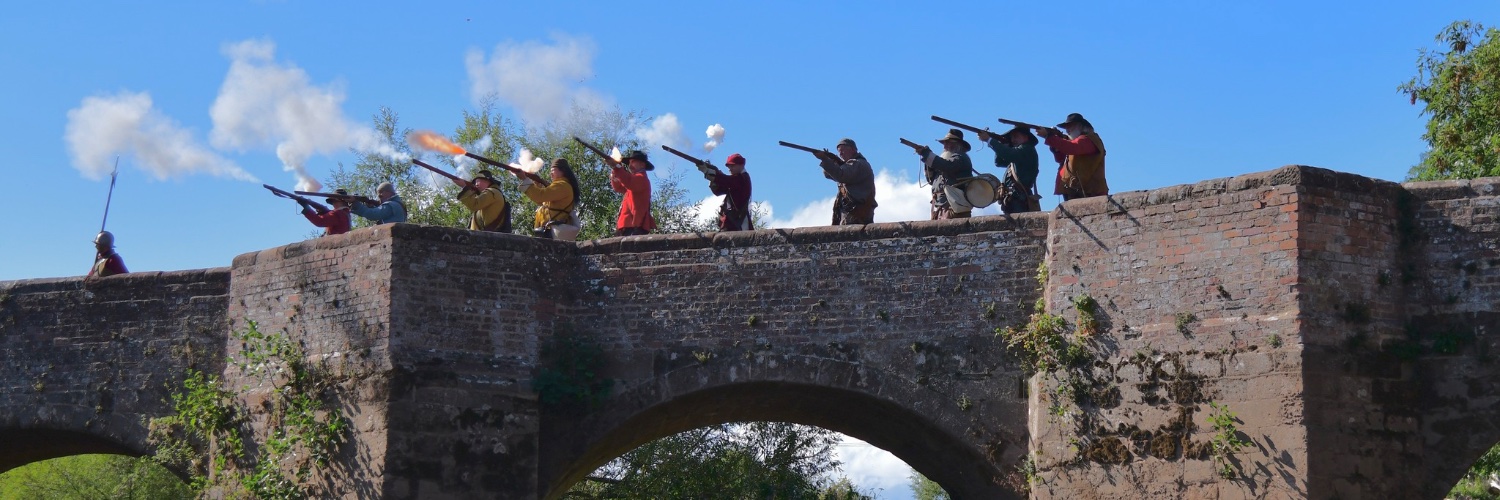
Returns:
(526, 161)
(663, 130)
(715, 134)
(128, 124)
(263, 104)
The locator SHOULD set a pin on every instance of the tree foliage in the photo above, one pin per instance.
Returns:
(926, 489)
(1460, 89)
(758, 460)
(88, 477)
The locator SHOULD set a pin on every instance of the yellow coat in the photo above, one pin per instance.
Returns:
(556, 200)
(488, 207)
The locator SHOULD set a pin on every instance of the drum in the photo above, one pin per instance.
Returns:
(973, 192)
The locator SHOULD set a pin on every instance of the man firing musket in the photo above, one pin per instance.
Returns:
(734, 212)
(855, 203)
(943, 170)
(481, 195)
(1080, 158)
(388, 209)
(334, 220)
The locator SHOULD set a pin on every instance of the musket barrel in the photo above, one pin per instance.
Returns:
(422, 164)
(955, 124)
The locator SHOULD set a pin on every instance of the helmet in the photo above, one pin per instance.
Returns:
(104, 239)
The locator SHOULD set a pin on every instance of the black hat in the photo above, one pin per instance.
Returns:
(636, 154)
(1019, 128)
(341, 191)
(1075, 118)
(956, 135)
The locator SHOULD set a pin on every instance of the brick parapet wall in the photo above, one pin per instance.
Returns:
(1193, 283)
(332, 296)
(1450, 272)
(469, 311)
(83, 360)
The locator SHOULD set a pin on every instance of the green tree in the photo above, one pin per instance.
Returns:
(758, 460)
(926, 489)
(88, 477)
(426, 202)
(1476, 483)
(1460, 89)
(843, 489)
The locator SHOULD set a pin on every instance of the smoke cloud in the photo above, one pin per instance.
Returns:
(128, 124)
(263, 104)
(525, 161)
(715, 134)
(543, 82)
(663, 130)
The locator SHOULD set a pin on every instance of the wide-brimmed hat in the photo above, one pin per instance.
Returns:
(956, 135)
(1075, 118)
(735, 159)
(636, 154)
(486, 175)
(340, 192)
(1019, 128)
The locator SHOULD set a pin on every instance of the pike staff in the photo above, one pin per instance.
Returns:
(111, 196)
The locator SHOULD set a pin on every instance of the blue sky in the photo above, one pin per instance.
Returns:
(1180, 92)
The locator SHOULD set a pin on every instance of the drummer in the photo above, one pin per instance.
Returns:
(943, 169)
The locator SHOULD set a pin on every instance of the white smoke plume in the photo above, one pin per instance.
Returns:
(616, 154)
(899, 200)
(263, 104)
(715, 134)
(543, 82)
(528, 162)
(127, 123)
(664, 130)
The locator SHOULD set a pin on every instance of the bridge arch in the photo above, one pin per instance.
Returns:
(970, 456)
(19, 447)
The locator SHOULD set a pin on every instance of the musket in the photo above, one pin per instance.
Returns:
(533, 177)
(610, 160)
(913, 145)
(967, 127)
(319, 207)
(436, 170)
(708, 169)
(348, 197)
(819, 153)
(1027, 125)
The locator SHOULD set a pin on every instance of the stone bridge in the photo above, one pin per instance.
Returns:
(1349, 323)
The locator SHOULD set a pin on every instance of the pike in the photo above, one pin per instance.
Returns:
(111, 196)
(707, 168)
(613, 163)
(819, 153)
(529, 175)
(321, 208)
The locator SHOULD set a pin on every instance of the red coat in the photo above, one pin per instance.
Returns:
(635, 209)
(334, 221)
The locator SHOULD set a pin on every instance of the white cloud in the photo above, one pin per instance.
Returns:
(263, 104)
(543, 82)
(128, 123)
